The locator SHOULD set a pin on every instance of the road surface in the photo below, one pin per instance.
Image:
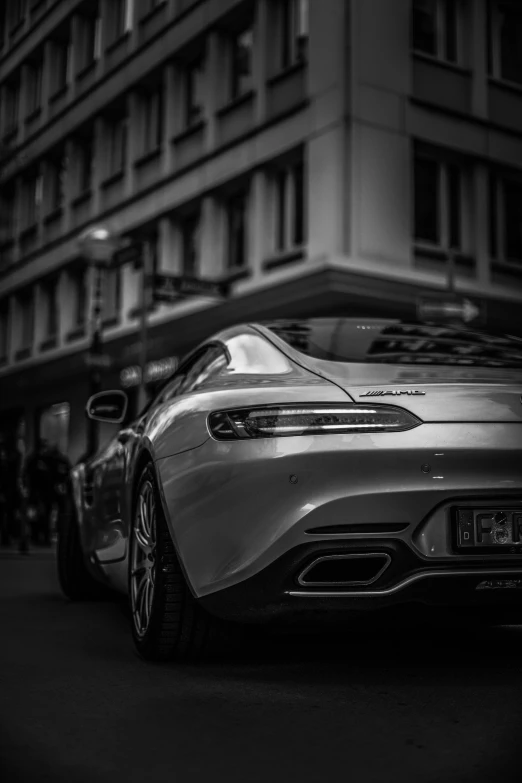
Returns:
(78, 706)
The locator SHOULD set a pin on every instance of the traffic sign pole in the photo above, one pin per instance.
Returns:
(146, 273)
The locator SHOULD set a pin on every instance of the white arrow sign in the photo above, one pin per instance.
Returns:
(463, 310)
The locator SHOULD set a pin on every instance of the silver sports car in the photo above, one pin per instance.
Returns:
(295, 470)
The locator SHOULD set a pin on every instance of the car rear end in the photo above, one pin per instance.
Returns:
(410, 491)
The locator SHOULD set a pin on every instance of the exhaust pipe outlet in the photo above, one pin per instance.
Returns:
(345, 570)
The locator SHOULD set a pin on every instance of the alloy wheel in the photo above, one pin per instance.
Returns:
(143, 561)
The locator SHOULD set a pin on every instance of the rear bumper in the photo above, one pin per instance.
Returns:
(241, 513)
(273, 596)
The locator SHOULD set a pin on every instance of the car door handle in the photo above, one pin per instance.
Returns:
(124, 436)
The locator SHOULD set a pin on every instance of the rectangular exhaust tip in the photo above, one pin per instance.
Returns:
(344, 570)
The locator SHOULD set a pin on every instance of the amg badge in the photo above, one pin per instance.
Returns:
(383, 393)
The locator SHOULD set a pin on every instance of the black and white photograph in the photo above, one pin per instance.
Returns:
(260, 391)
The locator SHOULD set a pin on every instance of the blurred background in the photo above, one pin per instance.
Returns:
(320, 157)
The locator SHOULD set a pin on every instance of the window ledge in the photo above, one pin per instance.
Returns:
(82, 198)
(284, 258)
(53, 216)
(118, 42)
(497, 81)
(110, 321)
(76, 334)
(112, 179)
(58, 94)
(147, 157)
(247, 97)
(16, 29)
(23, 353)
(434, 60)
(87, 69)
(33, 115)
(508, 268)
(137, 311)
(30, 231)
(10, 134)
(235, 273)
(153, 12)
(36, 5)
(49, 344)
(190, 130)
(426, 253)
(285, 73)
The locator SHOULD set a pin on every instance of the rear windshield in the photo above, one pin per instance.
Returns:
(343, 340)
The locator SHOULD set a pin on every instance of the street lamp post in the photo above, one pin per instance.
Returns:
(98, 246)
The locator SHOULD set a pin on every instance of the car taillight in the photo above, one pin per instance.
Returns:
(285, 420)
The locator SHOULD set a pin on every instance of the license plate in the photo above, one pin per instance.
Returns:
(493, 529)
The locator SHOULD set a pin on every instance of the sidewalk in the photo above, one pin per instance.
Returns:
(12, 551)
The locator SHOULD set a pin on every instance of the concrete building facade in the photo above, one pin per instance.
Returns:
(324, 156)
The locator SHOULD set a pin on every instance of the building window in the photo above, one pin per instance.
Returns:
(290, 207)
(90, 41)
(50, 300)
(26, 308)
(152, 116)
(194, 93)
(111, 295)
(190, 237)
(32, 193)
(237, 233)
(294, 32)
(12, 105)
(4, 331)
(61, 66)
(120, 13)
(118, 139)
(34, 85)
(438, 203)
(435, 28)
(505, 210)
(505, 26)
(7, 213)
(17, 13)
(242, 63)
(85, 151)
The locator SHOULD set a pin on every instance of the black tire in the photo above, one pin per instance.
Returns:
(76, 582)
(179, 629)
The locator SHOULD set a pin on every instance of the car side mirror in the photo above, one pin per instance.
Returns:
(108, 406)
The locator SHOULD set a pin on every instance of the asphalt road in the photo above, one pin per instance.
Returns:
(78, 706)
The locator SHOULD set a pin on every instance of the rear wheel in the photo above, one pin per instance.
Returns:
(74, 578)
(167, 622)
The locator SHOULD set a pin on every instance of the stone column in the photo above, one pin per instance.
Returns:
(481, 222)
(258, 222)
(46, 79)
(171, 105)
(133, 140)
(75, 52)
(260, 56)
(98, 174)
(212, 250)
(23, 104)
(214, 80)
(68, 188)
(479, 102)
